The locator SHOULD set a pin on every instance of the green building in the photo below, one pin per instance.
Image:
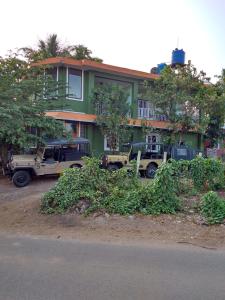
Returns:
(77, 110)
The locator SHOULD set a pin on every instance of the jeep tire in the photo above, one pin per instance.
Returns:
(75, 166)
(21, 178)
(151, 170)
(112, 167)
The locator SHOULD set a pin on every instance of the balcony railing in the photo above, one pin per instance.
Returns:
(149, 114)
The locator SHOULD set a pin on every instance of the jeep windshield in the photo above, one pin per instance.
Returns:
(148, 150)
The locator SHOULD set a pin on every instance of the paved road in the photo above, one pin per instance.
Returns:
(34, 269)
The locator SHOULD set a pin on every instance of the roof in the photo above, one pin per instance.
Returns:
(86, 64)
(63, 141)
(141, 144)
(90, 118)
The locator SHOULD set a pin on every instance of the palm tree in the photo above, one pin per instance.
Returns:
(51, 47)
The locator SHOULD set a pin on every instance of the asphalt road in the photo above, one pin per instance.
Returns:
(37, 268)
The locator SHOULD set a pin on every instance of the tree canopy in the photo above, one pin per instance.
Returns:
(112, 110)
(187, 98)
(52, 47)
(22, 106)
(216, 112)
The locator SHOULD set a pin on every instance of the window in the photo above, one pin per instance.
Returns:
(76, 129)
(152, 139)
(127, 86)
(74, 82)
(53, 72)
(146, 110)
(107, 144)
(51, 83)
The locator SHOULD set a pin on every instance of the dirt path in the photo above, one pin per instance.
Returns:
(19, 214)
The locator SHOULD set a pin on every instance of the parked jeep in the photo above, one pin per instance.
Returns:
(151, 157)
(50, 159)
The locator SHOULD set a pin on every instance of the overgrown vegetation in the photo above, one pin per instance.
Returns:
(122, 193)
(22, 106)
(213, 208)
(115, 192)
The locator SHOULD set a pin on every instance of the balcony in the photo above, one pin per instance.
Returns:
(149, 114)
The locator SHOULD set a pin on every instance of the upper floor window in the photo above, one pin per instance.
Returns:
(74, 83)
(127, 86)
(53, 72)
(147, 110)
(51, 83)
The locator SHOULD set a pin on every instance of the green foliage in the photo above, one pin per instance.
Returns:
(206, 173)
(22, 106)
(179, 94)
(188, 101)
(123, 202)
(165, 186)
(123, 193)
(216, 112)
(212, 207)
(115, 192)
(112, 109)
(52, 47)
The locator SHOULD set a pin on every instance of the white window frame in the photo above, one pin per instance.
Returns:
(158, 139)
(82, 84)
(106, 148)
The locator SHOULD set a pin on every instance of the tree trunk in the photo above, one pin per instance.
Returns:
(4, 148)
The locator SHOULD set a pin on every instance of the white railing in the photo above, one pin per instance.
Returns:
(149, 114)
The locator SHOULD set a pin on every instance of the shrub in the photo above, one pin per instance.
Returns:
(212, 208)
(115, 192)
(90, 183)
(161, 197)
(123, 202)
(121, 192)
(207, 173)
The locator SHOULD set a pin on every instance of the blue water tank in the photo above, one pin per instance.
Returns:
(160, 67)
(178, 57)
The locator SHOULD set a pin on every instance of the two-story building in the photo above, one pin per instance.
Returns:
(77, 110)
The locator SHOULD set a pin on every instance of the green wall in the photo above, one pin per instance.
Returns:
(86, 106)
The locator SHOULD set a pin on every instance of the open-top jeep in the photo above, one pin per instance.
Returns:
(50, 159)
(151, 157)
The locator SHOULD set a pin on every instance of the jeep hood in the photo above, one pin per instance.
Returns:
(23, 158)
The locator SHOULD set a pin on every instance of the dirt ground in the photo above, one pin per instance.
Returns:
(19, 214)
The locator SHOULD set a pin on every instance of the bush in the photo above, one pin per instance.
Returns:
(88, 183)
(123, 193)
(212, 208)
(161, 196)
(123, 202)
(115, 192)
(207, 173)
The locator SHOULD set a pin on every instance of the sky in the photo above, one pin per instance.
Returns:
(136, 34)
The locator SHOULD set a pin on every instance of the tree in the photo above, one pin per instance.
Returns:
(216, 112)
(112, 110)
(182, 95)
(52, 47)
(45, 49)
(22, 107)
(82, 52)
